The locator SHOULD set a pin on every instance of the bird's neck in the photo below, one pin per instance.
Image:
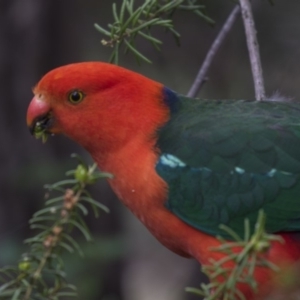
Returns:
(135, 180)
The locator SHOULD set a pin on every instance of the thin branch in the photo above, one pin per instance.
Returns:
(253, 49)
(201, 76)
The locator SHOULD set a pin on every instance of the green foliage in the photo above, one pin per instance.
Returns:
(132, 21)
(244, 262)
(40, 272)
(40, 132)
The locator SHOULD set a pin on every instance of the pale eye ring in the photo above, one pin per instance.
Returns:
(75, 96)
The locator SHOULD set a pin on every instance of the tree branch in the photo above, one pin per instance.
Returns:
(200, 78)
(253, 49)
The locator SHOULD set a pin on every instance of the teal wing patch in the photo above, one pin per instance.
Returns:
(205, 199)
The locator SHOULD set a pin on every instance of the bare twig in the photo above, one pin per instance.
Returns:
(253, 48)
(201, 76)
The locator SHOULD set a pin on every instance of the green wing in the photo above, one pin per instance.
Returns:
(223, 160)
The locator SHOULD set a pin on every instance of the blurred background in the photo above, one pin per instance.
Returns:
(124, 262)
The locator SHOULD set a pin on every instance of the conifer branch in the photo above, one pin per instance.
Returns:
(40, 273)
(243, 262)
(133, 21)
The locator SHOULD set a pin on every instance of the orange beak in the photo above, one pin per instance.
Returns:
(39, 118)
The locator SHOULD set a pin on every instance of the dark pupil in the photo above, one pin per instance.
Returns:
(75, 96)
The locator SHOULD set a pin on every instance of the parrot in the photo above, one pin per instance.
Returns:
(182, 166)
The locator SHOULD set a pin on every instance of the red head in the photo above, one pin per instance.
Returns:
(99, 105)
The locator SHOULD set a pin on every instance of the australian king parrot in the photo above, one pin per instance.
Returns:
(182, 166)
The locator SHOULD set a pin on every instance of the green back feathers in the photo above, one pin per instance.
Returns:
(225, 159)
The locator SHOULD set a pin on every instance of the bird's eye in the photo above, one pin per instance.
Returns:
(76, 96)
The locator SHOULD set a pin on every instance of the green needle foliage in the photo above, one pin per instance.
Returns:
(132, 21)
(40, 272)
(244, 262)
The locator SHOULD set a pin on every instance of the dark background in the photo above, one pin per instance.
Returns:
(124, 262)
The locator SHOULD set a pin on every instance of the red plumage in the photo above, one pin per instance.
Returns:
(117, 123)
